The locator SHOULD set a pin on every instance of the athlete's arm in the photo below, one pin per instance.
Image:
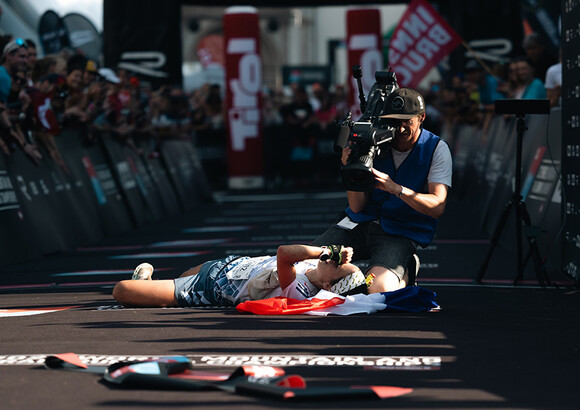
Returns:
(288, 255)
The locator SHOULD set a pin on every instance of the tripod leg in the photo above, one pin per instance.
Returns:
(519, 216)
(494, 239)
(541, 273)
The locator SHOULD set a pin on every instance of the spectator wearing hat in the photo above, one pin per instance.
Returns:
(412, 175)
(91, 73)
(14, 61)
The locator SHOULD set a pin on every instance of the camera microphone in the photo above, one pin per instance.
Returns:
(357, 74)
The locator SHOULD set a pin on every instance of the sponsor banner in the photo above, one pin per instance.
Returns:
(39, 194)
(210, 51)
(473, 20)
(243, 87)
(144, 37)
(421, 39)
(381, 362)
(306, 74)
(52, 33)
(364, 48)
(83, 35)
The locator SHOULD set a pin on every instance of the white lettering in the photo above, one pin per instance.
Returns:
(145, 62)
(427, 47)
(415, 26)
(363, 42)
(371, 61)
(402, 40)
(439, 35)
(244, 115)
(428, 17)
(414, 61)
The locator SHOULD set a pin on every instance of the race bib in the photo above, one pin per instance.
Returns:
(244, 269)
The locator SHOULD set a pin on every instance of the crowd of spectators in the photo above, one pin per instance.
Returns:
(40, 96)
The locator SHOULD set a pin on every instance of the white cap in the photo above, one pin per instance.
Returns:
(109, 75)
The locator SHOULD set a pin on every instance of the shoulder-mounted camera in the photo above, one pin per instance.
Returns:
(366, 136)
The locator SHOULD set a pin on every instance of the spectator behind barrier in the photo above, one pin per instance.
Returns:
(553, 83)
(528, 86)
(539, 57)
(13, 100)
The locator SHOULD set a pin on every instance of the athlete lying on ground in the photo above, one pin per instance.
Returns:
(297, 271)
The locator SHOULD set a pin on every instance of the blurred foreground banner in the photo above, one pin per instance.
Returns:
(52, 33)
(144, 37)
(363, 42)
(422, 38)
(243, 86)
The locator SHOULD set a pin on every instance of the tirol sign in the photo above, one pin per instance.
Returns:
(243, 87)
(363, 41)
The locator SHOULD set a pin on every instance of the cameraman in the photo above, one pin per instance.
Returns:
(412, 179)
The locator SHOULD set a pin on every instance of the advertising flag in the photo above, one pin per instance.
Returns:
(363, 42)
(422, 38)
(243, 87)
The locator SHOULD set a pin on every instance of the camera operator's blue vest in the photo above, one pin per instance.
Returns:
(396, 217)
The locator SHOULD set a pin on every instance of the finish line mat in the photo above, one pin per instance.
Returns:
(370, 362)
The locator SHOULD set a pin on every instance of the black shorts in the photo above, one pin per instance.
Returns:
(371, 243)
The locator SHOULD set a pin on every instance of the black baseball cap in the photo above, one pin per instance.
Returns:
(404, 103)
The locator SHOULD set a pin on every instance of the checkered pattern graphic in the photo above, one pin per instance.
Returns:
(348, 283)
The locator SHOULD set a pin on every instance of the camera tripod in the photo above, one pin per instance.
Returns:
(522, 221)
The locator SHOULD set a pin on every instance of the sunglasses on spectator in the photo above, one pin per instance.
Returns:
(21, 43)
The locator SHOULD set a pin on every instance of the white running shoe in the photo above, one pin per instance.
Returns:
(143, 272)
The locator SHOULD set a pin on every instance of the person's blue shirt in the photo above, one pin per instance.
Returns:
(535, 90)
(488, 92)
(5, 84)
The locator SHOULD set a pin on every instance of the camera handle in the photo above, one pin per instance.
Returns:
(357, 74)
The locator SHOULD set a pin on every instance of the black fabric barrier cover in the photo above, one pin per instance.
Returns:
(129, 181)
(102, 188)
(73, 198)
(158, 177)
(89, 163)
(185, 172)
(16, 242)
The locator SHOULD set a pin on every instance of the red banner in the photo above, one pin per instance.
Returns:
(422, 38)
(363, 42)
(243, 87)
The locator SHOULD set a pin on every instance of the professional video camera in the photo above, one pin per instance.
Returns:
(366, 135)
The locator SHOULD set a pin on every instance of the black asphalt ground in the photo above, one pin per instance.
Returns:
(492, 345)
